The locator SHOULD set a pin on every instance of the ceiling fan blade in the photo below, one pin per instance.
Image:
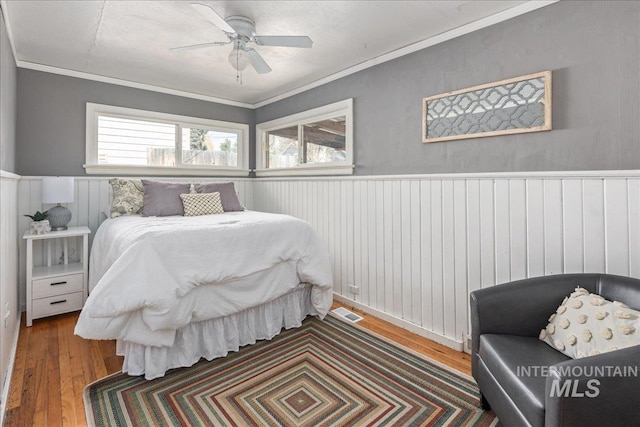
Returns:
(284, 41)
(213, 17)
(258, 62)
(198, 46)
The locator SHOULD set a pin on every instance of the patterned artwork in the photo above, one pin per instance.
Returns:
(511, 106)
(325, 373)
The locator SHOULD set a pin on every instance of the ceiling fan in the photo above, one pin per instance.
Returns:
(241, 30)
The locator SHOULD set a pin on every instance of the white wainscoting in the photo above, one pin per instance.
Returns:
(9, 313)
(91, 202)
(418, 245)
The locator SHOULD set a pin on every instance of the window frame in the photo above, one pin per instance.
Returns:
(340, 108)
(91, 166)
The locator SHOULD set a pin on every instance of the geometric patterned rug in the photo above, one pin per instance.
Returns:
(325, 373)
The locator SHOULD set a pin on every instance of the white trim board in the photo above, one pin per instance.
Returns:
(8, 175)
(432, 41)
(152, 177)
(5, 14)
(470, 175)
(411, 327)
(7, 383)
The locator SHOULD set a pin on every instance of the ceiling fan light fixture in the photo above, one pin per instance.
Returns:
(240, 31)
(239, 59)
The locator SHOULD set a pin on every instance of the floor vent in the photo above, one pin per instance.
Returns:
(350, 316)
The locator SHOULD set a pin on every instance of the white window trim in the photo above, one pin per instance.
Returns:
(92, 167)
(341, 108)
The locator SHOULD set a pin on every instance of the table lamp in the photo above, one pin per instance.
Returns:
(58, 189)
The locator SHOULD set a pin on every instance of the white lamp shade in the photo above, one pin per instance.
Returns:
(57, 189)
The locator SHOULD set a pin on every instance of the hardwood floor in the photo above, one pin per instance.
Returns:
(433, 350)
(51, 369)
(53, 365)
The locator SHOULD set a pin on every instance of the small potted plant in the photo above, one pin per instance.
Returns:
(40, 224)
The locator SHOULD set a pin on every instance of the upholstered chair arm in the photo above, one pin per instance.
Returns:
(598, 390)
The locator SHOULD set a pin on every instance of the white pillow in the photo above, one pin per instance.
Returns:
(587, 324)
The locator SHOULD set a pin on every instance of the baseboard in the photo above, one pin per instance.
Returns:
(411, 327)
(7, 381)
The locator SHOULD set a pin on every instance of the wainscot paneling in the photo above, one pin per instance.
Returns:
(90, 207)
(9, 313)
(416, 246)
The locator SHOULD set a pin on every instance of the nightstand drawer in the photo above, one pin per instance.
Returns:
(57, 285)
(57, 304)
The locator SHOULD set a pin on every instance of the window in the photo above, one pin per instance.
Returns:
(314, 142)
(124, 140)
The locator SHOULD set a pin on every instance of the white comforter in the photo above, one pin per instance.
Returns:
(152, 275)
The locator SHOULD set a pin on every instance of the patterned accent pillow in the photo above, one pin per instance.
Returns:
(201, 204)
(587, 324)
(128, 197)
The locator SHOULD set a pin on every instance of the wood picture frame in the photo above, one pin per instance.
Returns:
(511, 106)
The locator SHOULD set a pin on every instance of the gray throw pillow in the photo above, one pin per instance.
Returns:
(227, 192)
(163, 198)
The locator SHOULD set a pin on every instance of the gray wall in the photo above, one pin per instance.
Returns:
(7, 102)
(51, 118)
(593, 49)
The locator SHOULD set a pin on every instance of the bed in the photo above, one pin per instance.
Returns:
(174, 289)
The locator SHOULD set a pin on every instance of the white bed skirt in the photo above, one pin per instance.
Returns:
(217, 337)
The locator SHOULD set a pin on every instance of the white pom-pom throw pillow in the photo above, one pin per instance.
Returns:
(587, 324)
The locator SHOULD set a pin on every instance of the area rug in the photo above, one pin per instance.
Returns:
(325, 373)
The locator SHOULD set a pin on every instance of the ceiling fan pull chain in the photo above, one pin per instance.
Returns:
(237, 67)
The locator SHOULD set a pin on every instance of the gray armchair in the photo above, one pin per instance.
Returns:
(505, 323)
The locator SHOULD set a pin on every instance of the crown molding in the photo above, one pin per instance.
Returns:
(128, 83)
(5, 17)
(432, 41)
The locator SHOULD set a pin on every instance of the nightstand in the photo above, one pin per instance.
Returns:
(58, 288)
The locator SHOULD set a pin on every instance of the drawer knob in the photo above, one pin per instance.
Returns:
(58, 283)
(58, 302)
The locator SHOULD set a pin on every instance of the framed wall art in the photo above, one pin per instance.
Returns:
(518, 105)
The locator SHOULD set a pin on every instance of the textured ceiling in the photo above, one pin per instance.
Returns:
(130, 40)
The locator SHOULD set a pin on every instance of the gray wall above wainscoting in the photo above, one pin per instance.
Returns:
(51, 118)
(593, 49)
(8, 90)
